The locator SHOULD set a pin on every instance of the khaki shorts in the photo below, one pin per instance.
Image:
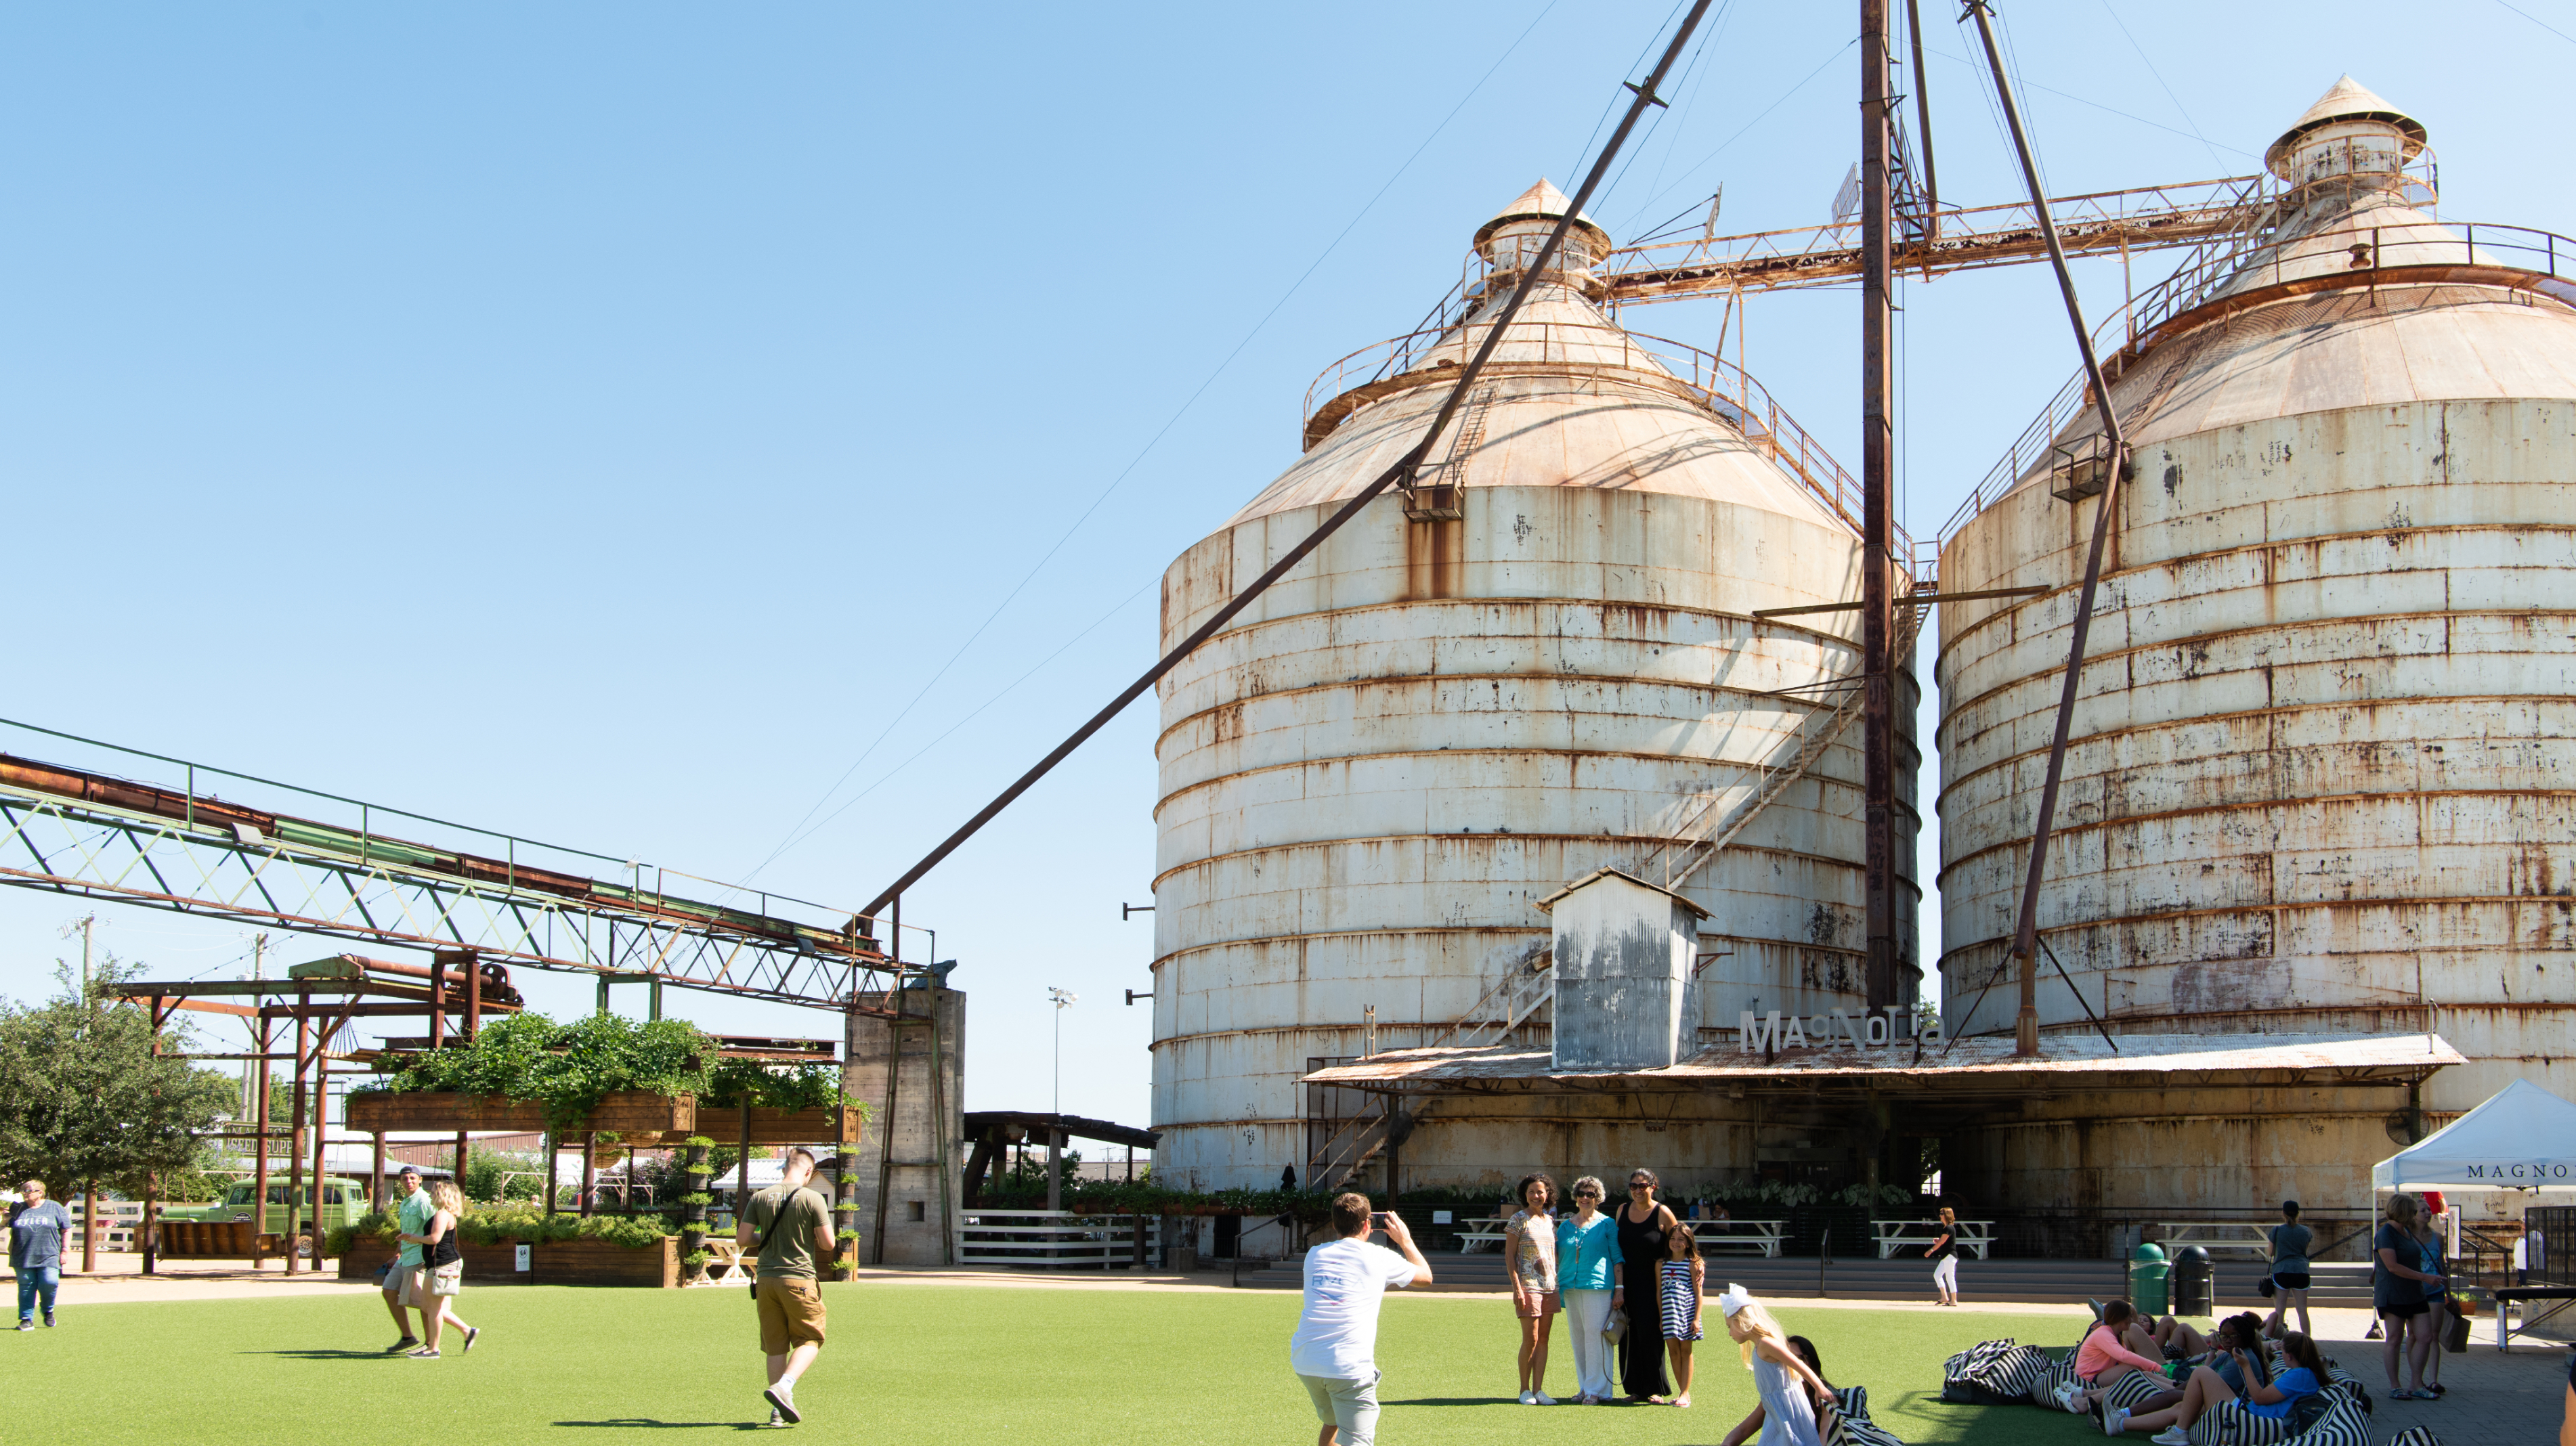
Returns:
(791, 1313)
(408, 1285)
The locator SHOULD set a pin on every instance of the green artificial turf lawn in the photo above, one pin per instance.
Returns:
(906, 1362)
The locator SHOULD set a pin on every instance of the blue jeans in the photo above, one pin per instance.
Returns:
(35, 1280)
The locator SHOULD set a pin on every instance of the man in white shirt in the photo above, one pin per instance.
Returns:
(1334, 1351)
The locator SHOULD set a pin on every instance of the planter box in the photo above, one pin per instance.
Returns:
(628, 1114)
(772, 1127)
(364, 1254)
(496, 1264)
(484, 1264)
(596, 1262)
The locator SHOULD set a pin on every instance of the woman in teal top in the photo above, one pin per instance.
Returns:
(1587, 1278)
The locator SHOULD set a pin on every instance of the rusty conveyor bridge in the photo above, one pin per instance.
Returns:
(328, 869)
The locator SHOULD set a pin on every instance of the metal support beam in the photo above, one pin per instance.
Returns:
(2026, 932)
(1878, 512)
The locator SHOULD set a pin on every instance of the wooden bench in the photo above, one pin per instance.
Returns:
(1974, 1237)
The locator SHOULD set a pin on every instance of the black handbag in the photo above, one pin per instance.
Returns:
(2266, 1287)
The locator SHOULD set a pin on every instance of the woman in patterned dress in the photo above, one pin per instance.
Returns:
(1529, 1258)
(1680, 1278)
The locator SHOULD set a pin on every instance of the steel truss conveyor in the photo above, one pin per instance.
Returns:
(75, 831)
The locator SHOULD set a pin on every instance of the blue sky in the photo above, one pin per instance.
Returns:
(623, 425)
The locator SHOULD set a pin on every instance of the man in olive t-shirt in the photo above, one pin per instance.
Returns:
(797, 1229)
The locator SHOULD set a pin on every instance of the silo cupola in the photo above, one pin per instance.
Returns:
(2349, 137)
(1511, 241)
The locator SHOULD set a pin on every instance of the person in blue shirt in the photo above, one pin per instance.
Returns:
(2303, 1374)
(406, 1282)
(1587, 1280)
(37, 1229)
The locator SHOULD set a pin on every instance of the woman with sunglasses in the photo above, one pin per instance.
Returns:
(1587, 1280)
(1643, 1223)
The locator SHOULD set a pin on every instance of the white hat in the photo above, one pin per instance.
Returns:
(1736, 1298)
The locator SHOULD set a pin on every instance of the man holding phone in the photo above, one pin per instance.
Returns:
(1334, 1351)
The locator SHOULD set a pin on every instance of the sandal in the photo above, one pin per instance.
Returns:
(2438, 1390)
(2401, 1394)
(1682, 1401)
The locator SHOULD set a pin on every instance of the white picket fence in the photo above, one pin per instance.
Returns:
(1054, 1239)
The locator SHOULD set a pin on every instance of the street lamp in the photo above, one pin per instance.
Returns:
(1064, 999)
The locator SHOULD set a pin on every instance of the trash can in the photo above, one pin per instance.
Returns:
(2192, 1282)
(2147, 1270)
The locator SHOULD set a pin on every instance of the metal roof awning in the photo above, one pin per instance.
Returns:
(990, 1124)
(1984, 1065)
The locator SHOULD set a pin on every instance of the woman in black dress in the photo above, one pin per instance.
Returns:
(1642, 1223)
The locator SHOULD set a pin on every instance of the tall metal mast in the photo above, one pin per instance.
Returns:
(1877, 434)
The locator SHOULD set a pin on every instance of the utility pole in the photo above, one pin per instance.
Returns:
(1064, 1000)
(1878, 560)
(85, 923)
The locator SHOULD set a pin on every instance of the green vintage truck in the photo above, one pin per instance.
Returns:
(343, 1201)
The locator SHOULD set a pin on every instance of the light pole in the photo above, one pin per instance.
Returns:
(1064, 999)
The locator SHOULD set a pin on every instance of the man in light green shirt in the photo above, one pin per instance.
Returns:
(792, 1227)
(403, 1283)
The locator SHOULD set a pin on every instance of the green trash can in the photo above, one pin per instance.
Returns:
(2148, 1275)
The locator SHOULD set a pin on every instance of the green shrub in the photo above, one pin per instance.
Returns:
(809, 1085)
(568, 1067)
(374, 1222)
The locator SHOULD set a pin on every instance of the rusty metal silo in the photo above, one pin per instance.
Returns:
(2322, 773)
(1539, 661)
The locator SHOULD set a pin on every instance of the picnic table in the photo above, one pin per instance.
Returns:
(1974, 1236)
(2213, 1236)
(1761, 1237)
(1478, 1231)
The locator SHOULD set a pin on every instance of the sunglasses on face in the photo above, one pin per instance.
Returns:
(1587, 1194)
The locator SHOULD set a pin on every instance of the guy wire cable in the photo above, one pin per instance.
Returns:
(1404, 468)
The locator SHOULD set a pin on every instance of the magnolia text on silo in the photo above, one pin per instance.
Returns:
(1825, 1031)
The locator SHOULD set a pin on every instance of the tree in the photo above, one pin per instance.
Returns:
(84, 1100)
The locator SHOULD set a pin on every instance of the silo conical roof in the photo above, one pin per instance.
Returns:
(2346, 99)
(1542, 202)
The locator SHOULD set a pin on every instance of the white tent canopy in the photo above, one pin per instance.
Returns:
(2522, 1139)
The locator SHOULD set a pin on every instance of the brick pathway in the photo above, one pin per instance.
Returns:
(2495, 1398)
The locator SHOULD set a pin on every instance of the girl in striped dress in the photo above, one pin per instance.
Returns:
(1679, 1278)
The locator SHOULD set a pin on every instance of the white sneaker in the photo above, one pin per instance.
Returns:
(782, 1399)
(2115, 1421)
(2171, 1436)
(1529, 1398)
(1541, 1398)
(2070, 1396)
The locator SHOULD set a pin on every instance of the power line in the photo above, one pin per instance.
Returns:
(1749, 125)
(2083, 100)
(2536, 20)
(794, 834)
(853, 800)
(2160, 79)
